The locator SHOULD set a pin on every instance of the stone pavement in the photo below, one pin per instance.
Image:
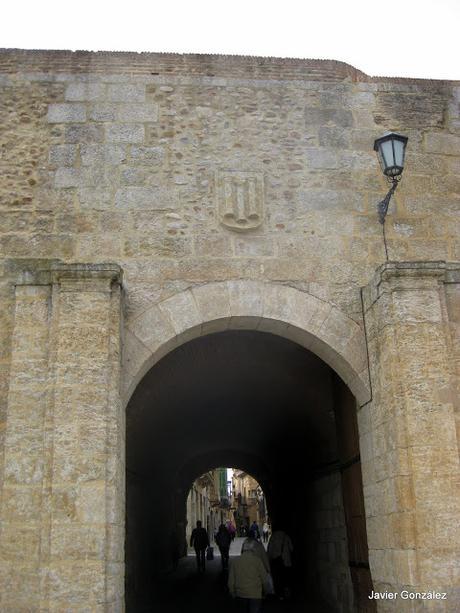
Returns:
(186, 590)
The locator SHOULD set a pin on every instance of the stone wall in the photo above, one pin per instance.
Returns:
(192, 171)
(329, 572)
(106, 166)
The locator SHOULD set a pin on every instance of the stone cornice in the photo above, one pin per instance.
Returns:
(47, 272)
(86, 272)
(407, 275)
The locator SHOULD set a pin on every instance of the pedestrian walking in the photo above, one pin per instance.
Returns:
(255, 529)
(265, 532)
(247, 578)
(223, 540)
(258, 549)
(199, 540)
(280, 555)
(231, 529)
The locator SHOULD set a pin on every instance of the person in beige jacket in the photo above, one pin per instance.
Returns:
(247, 578)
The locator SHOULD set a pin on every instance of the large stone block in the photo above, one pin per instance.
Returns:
(182, 311)
(101, 155)
(342, 118)
(82, 92)
(20, 543)
(146, 112)
(63, 155)
(66, 113)
(447, 144)
(103, 111)
(87, 133)
(147, 155)
(152, 327)
(75, 583)
(125, 133)
(126, 92)
(151, 198)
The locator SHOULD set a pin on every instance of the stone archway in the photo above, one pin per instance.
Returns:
(260, 307)
(231, 305)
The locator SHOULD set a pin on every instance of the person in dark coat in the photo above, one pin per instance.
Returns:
(199, 540)
(255, 530)
(223, 540)
(280, 555)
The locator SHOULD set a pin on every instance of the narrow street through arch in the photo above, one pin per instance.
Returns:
(262, 403)
(184, 590)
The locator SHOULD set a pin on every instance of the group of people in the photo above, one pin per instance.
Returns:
(255, 530)
(258, 572)
(199, 540)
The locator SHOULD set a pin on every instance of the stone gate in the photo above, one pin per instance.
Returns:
(148, 200)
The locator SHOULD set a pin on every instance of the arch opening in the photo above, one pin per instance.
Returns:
(226, 496)
(263, 403)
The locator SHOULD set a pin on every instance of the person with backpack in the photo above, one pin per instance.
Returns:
(199, 540)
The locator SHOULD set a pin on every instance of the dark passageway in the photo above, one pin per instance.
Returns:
(184, 590)
(263, 403)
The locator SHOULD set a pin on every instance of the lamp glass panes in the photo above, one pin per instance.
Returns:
(391, 149)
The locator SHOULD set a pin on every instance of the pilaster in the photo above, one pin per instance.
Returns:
(63, 494)
(409, 447)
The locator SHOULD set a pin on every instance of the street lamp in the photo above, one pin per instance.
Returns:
(391, 150)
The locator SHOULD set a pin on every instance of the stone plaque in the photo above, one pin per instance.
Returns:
(240, 199)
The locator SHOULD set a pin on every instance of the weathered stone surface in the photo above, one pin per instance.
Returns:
(125, 133)
(448, 144)
(122, 92)
(102, 155)
(103, 111)
(63, 155)
(88, 133)
(412, 412)
(104, 161)
(82, 92)
(150, 198)
(147, 155)
(66, 113)
(138, 112)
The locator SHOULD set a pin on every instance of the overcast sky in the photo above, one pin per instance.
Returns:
(411, 38)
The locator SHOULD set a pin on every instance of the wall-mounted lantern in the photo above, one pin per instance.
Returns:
(391, 150)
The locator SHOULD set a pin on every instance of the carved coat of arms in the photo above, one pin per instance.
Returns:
(240, 199)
